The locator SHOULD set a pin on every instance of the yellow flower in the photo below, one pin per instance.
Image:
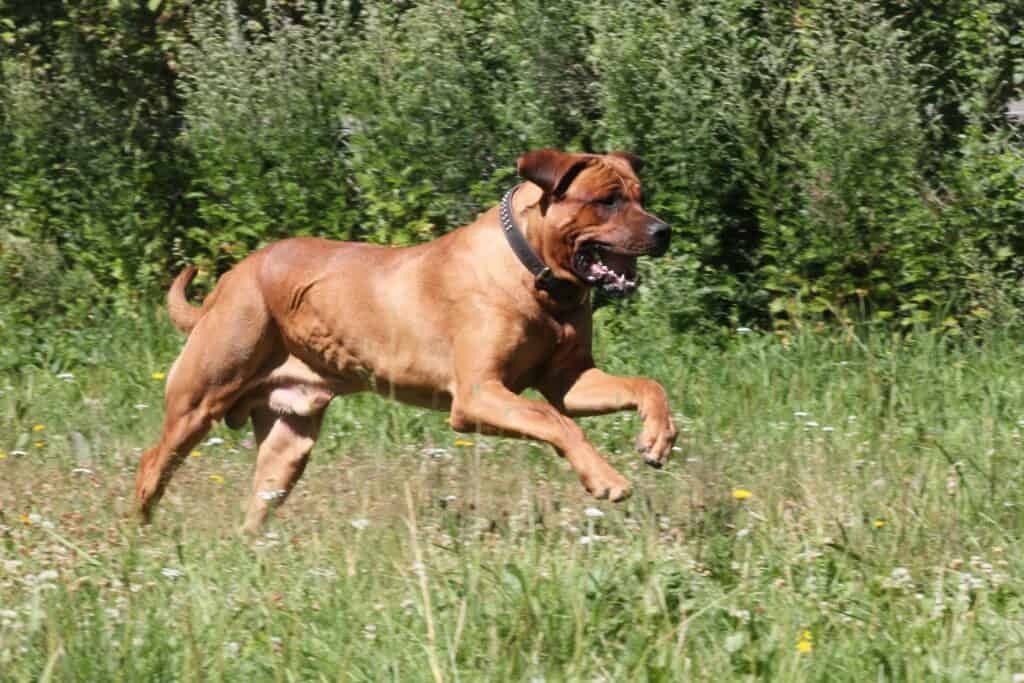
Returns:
(158, 376)
(741, 494)
(463, 443)
(806, 635)
(217, 479)
(804, 646)
(39, 444)
(3, 456)
(23, 518)
(38, 428)
(878, 523)
(196, 454)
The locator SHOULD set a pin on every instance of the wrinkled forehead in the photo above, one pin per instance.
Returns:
(605, 176)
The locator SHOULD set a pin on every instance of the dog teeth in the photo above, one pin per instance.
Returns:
(599, 271)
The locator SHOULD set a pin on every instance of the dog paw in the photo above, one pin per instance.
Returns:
(656, 441)
(609, 486)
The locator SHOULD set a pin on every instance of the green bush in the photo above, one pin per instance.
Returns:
(264, 122)
(849, 160)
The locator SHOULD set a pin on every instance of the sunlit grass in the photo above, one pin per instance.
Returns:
(839, 509)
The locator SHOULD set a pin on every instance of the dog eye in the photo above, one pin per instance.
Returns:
(610, 201)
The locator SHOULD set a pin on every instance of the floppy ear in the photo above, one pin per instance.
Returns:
(551, 170)
(635, 162)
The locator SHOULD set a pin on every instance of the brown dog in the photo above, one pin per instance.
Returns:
(463, 323)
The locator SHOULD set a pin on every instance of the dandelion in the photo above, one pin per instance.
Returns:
(195, 454)
(462, 443)
(217, 479)
(878, 523)
(741, 494)
(25, 519)
(39, 444)
(38, 428)
(3, 456)
(805, 645)
(158, 376)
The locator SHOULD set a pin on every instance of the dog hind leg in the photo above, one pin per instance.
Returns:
(285, 444)
(225, 350)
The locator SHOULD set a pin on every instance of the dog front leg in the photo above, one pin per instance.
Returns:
(595, 392)
(490, 408)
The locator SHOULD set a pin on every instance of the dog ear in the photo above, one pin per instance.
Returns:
(635, 162)
(551, 170)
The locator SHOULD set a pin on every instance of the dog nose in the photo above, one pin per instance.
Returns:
(660, 233)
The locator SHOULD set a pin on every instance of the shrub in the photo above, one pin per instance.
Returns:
(264, 122)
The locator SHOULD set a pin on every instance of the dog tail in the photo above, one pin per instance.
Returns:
(183, 314)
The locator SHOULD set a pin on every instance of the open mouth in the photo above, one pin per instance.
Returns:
(601, 265)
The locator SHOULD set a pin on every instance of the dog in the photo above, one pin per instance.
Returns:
(464, 323)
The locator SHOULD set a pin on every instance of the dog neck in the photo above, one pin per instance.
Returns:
(562, 292)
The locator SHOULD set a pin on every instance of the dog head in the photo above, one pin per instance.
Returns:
(593, 224)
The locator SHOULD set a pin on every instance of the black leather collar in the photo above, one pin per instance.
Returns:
(543, 278)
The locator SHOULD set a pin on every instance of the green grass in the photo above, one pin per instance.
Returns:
(883, 529)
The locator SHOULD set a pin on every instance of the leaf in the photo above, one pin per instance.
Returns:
(153, 5)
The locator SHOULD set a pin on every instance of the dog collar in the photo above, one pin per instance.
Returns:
(543, 278)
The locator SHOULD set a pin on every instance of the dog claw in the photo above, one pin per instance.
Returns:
(614, 492)
(654, 462)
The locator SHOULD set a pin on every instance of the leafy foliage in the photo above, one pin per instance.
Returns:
(847, 160)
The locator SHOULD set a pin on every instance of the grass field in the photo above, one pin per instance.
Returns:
(839, 509)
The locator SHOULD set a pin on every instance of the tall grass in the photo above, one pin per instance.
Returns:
(880, 540)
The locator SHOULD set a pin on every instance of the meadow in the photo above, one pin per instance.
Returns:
(841, 507)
